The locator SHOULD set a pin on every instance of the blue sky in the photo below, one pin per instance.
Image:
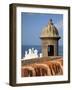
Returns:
(32, 24)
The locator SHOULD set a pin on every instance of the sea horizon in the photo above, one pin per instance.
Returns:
(38, 47)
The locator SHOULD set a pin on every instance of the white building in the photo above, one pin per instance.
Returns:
(32, 53)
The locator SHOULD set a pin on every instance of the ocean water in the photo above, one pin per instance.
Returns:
(26, 47)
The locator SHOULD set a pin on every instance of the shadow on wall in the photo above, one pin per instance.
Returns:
(47, 68)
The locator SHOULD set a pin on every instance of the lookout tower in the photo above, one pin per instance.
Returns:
(49, 38)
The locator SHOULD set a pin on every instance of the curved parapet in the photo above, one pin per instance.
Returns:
(28, 71)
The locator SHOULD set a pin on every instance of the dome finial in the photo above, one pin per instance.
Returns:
(50, 22)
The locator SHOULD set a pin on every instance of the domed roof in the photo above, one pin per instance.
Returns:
(49, 31)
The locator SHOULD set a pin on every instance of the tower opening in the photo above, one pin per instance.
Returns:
(50, 50)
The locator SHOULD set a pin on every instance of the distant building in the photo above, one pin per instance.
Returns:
(49, 38)
(32, 53)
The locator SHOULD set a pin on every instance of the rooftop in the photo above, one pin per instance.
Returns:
(50, 31)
